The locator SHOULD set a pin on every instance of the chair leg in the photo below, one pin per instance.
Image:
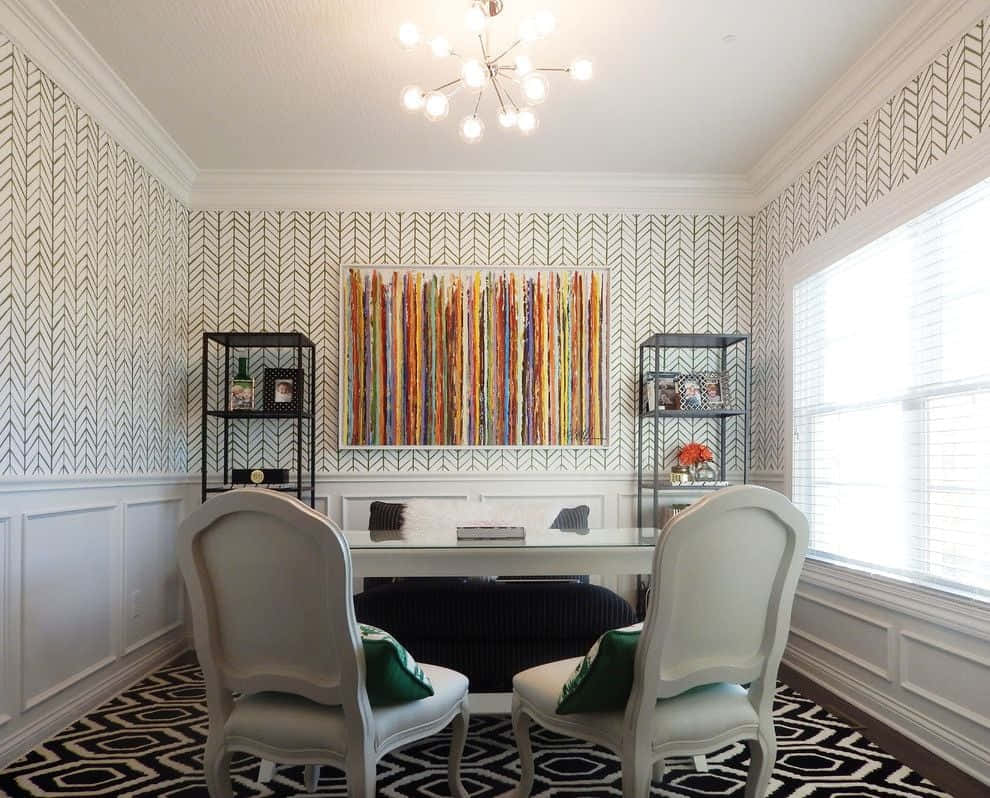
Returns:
(762, 754)
(457, 741)
(636, 772)
(266, 771)
(311, 777)
(520, 727)
(658, 770)
(361, 777)
(216, 767)
(701, 763)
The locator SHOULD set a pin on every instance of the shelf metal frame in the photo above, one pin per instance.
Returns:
(262, 340)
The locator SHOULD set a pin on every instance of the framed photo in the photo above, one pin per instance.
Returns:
(707, 390)
(689, 388)
(712, 391)
(661, 391)
(242, 395)
(284, 390)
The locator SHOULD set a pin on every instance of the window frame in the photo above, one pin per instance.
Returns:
(953, 174)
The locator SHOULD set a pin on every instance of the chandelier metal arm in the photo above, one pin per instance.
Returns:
(446, 85)
(498, 94)
(508, 96)
(508, 50)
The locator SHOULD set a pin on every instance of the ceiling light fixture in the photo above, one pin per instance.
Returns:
(503, 74)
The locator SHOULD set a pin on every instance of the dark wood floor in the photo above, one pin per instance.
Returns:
(915, 756)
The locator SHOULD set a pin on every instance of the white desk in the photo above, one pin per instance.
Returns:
(437, 552)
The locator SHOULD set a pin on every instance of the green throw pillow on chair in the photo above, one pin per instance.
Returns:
(603, 679)
(392, 676)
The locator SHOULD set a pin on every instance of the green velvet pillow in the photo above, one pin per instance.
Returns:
(392, 676)
(603, 680)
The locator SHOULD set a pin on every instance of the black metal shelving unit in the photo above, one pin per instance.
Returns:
(306, 412)
(720, 349)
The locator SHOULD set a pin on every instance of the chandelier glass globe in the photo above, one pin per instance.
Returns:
(527, 122)
(535, 88)
(475, 19)
(408, 35)
(507, 118)
(437, 106)
(440, 46)
(412, 98)
(523, 65)
(473, 74)
(545, 23)
(581, 69)
(472, 128)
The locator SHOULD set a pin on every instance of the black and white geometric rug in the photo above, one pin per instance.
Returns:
(148, 743)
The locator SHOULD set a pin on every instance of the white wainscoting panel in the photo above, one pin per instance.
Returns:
(68, 594)
(916, 659)
(865, 640)
(924, 664)
(7, 697)
(69, 551)
(152, 584)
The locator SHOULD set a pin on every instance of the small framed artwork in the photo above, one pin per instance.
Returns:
(283, 390)
(689, 389)
(712, 391)
(660, 391)
(242, 394)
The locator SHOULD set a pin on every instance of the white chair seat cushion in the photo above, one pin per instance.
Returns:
(699, 714)
(293, 723)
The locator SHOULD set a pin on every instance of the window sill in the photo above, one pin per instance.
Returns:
(965, 614)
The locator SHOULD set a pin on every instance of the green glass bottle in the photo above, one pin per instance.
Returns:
(242, 372)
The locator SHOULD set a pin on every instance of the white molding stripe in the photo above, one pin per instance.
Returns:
(928, 695)
(31, 484)
(969, 616)
(51, 41)
(905, 49)
(481, 191)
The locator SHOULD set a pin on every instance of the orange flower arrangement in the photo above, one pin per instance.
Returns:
(694, 453)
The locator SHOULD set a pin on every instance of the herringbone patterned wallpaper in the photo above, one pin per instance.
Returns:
(281, 271)
(92, 293)
(944, 106)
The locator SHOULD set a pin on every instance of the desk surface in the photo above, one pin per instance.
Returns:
(616, 538)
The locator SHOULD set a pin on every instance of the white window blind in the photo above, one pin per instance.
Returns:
(891, 400)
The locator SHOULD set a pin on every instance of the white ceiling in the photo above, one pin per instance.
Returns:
(314, 84)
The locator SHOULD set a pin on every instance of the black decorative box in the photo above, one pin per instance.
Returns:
(260, 476)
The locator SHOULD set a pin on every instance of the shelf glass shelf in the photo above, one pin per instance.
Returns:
(260, 340)
(278, 488)
(723, 413)
(256, 414)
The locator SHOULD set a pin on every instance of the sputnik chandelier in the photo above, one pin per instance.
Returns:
(509, 73)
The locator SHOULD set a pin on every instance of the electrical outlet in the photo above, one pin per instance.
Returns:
(136, 602)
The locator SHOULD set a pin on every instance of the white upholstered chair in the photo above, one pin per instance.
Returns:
(724, 572)
(269, 584)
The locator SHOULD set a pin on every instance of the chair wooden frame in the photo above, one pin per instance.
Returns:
(664, 671)
(333, 676)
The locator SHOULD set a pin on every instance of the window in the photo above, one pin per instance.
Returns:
(891, 400)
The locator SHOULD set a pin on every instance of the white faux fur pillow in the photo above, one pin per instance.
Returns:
(445, 515)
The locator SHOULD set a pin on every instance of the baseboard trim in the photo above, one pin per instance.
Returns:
(949, 756)
(56, 719)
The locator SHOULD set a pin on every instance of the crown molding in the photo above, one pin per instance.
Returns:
(379, 190)
(927, 27)
(51, 41)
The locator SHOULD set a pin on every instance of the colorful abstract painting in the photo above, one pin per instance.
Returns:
(479, 357)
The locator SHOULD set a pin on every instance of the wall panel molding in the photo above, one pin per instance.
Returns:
(930, 694)
(62, 613)
(881, 669)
